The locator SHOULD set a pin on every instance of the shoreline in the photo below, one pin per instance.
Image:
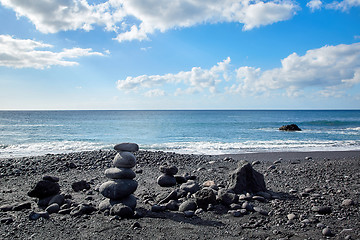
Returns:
(326, 179)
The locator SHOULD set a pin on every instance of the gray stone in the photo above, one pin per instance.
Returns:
(188, 205)
(124, 160)
(82, 209)
(259, 198)
(172, 205)
(245, 178)
(121, 210)
(36, 215)
(227, 198)
(126, 147)
(118, 189)
(129, 201)
(166, 180)
(44, 188)
(80, 185)
(291, 216)
(321, 209)
(261, 211)
(189, 213)
(169, 170)
(120, 173)
(327, 232)
(248, 206)
(347, 202)
(171, 196)
(204, 197)
(53, 208)
(59, 199)
(190, 186)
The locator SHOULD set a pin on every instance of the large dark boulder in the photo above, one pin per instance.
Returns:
(44, 188)
(291, 127)
(246, 179)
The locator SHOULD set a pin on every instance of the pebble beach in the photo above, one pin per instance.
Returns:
(310, 195)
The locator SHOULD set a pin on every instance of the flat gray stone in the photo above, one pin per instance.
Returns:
(126, 147)
(118, 189)
(121, 210)
(120, 173)
(53, 208)
(188, 205)
(124, 160)
(190, 186)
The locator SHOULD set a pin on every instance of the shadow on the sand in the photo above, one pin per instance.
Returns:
(180, 217)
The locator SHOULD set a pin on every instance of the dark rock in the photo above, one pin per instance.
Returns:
(6, 207)
(190, 186)
(80, 185)
(189, 213)
(51, 178)
(82, 209)
(322, 209)
(6, 220)
(22, 206)
(44, 188)
(204, 197)
(71, 165)
(59, 199)
(169, 170)
(126, 147)
(121, 210)
(166, 180)
(188, 205)
(180, 179)
(327, 232)
(172, 205)
(291, 127)
(36, 215)
(118, 189)
(157, 208)
(53, 208)
(44, 202)
(245, 178)
(227, 198)
(120, 173)
(129, 201)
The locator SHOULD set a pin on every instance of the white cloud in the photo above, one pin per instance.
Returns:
(329, 69)
(136, 19)
(344, 5)
(314, 5)
(155, 93)
(25, 53)
(197, 79)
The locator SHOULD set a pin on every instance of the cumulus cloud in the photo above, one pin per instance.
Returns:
(136, 19)
(314, 5)
(154, 93)
(330, 68)
(197, 79)
(26, 53)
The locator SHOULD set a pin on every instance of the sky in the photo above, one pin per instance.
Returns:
(179, 54)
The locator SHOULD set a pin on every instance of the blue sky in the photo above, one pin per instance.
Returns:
(180, 54)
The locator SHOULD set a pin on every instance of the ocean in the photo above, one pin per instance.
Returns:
(31, 133)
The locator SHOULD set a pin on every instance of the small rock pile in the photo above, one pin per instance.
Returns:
(118, 192)
(167, 179)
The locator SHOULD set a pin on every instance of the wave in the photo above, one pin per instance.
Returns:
(54, 147)
(330, 123)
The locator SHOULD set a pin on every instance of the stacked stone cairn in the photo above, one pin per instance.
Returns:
(118, 191)
(167, 179)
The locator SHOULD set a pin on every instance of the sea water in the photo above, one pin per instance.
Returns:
(29, 133)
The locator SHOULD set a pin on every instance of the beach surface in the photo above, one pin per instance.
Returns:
(314, 195)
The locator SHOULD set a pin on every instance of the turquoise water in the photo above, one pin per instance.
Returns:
(25, 133)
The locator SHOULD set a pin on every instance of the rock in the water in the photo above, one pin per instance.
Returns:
(291, 127)
(126, 147)
(245, 178)
(188, 205)
(166, 180)
(204, 197)
(53, 208)
(124, 160)
(44, 188)
(190, 186)
(169, 170)
(118, 189)
(129, 201)
(120, 173)
(80, 185)
(121, 210)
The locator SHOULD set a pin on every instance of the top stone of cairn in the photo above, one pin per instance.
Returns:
(126, 147)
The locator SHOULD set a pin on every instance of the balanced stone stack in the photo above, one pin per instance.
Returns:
(167, 179)
(119, 190)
